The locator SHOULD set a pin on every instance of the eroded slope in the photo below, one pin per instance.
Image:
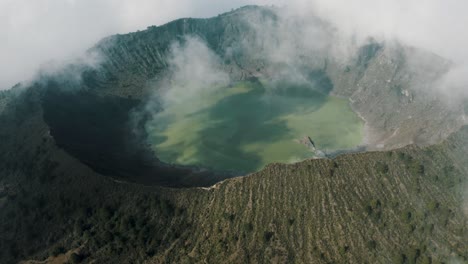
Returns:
(403, 206)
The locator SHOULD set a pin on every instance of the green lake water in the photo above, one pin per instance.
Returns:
(247, 126)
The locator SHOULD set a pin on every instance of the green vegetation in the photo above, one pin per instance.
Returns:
(366, 209)
(401, 206)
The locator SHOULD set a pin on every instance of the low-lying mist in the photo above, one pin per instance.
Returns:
(203, 114)
(193, 68)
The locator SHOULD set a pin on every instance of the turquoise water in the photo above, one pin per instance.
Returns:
(249, 125)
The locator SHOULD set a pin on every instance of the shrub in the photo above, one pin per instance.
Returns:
(382, 167)
(371, 244)
(247, 227)
(229, 216)
(403, 157)
(105, 213)
(344, 249)
(375, 203)
(413, 255)
(166, 208)
(267, 235)
(75, 258)
(406, 216)
(433, 205)
(399, 258)
(58, 250)
(425, 260)
(107, 237)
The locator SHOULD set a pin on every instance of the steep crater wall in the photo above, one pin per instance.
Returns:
(382, 84)
(97, 131)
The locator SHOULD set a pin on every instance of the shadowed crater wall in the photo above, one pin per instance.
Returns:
(97, 131)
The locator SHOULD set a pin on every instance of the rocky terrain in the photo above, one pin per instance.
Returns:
(375, 79)
(400, 206)
(78, 185)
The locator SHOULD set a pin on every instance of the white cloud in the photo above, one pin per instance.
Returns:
(193, 68)
(37, 31)
(436, 25)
